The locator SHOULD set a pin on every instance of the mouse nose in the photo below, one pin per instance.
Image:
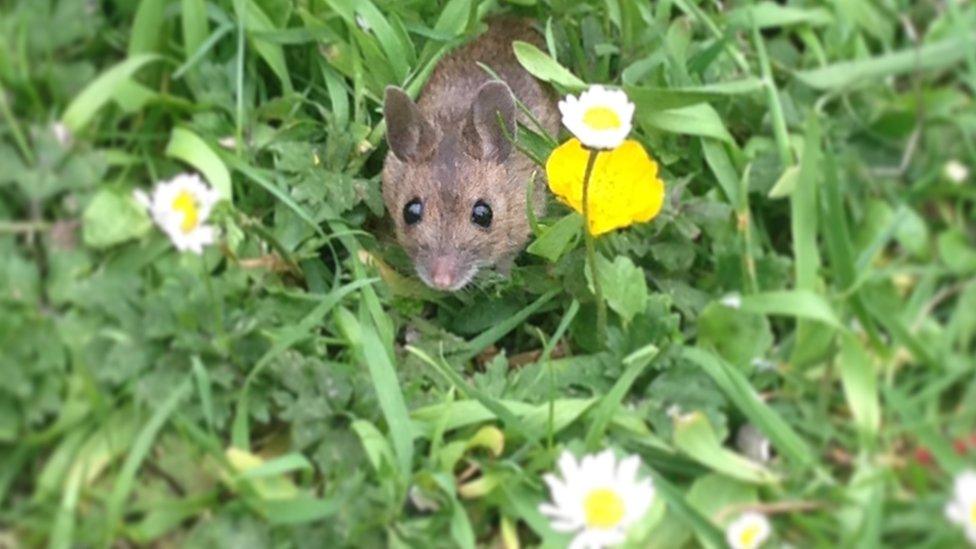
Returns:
(443, 272)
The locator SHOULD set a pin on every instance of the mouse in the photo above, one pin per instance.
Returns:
(453, 180)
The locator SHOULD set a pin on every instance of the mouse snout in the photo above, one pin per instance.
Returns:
(444, 271)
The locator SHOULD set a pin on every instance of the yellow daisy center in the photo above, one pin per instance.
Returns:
(186, 204)
(749, 535)
(972, 514)
(603, 508)
(601, 118)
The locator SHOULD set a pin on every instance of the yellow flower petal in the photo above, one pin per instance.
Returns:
(624, 186)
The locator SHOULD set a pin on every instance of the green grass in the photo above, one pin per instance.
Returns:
(813, 273)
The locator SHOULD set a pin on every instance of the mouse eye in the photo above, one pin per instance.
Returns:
(413, 212)
(481, 214)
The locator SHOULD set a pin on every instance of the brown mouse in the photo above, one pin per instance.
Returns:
(453, 181)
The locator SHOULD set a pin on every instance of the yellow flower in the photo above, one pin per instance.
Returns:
(624, 186)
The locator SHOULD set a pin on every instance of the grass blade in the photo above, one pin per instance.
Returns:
(84, 107)
(937, 55)
(802, 304)
(859, 380)
(740, 392)
(636, 363)
(256, 21)
(366, 342)
(544, 67)
(240, 431)
(193, 18)
(146, 27)
(137, 453)
(261, 178)
(192, 149)
(493, 334)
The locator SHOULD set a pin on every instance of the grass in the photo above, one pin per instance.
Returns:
(812, 275)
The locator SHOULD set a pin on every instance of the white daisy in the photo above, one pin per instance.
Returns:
(749, 531)
(732, 301)
(180, 207)
(597, 498)
(962, 509)
(600, 118)
(62, 134)
(955, 171)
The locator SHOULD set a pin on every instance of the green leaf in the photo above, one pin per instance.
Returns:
(694, 436)
(721, 165)
(679, 508)
(377, 448)
(496, 407)
(83, 108)
(771, 15)
(858, 378)
(801, 304)
(937, 55)
(803, 205)
(399, 51)
(299, 510)
(623, 284)
(956, 251)
(257, 22)
(125, 481)
(699, 119)
(557, 238)
(193, 16)
(263, 178)
(496, 332)
(204, 389)
(190, 148)
(337, 95)
(544, 67)
(714, 494)
(744, 396)
(364, 339)
(147, 27)
(240, 434)
(611, 402)
(112, 217)
(737, 336)
(657, 99)
(278, 466)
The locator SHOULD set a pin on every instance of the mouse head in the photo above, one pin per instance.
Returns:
(448, 184)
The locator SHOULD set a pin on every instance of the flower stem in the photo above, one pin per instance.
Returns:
(601, 306)
(218, 306)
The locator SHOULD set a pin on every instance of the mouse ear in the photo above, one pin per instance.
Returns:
(490, 127)
(409, 134)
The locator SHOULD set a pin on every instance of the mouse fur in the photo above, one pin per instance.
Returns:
(451, 151)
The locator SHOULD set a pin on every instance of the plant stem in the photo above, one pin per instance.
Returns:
(780, 132)
(601, 306)
(15, 129)
(218, 306)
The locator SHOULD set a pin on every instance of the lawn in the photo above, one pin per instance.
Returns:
(794, 334)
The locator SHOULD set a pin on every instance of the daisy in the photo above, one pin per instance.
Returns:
(180, 207)
(62, 134)
(962, 509)
(749, 531)
(955, 171)
(598, 498)
(600, 118)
